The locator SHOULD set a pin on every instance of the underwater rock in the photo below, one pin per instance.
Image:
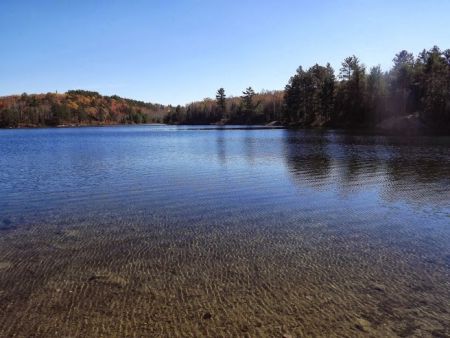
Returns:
(363, 325)
(207, 316)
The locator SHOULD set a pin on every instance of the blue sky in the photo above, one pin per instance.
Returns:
(180, 51)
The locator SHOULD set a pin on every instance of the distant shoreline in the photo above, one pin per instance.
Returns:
(364, 130)
(63, 126)
(409, 125)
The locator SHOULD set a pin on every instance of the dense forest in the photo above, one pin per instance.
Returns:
(414, 93)
(75, 107)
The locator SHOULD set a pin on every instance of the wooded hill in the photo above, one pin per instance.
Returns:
(75, 107)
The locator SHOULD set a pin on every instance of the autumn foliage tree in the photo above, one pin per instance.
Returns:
(75, 107)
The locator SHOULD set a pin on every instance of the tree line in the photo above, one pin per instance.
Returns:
(250, 108)
(355, 97)
(414, 85)
(417, 86)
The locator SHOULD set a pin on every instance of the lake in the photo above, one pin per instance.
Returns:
(223, 231)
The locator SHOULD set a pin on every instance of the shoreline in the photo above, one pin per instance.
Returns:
(65, 126)
(392, 130)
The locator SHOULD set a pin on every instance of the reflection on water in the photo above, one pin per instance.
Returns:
(409, 170)
(187, 231)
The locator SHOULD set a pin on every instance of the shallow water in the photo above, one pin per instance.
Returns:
(200, 231)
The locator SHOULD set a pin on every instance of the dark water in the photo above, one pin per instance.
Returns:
(217, 232)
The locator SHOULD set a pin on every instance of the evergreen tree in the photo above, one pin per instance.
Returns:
(293, 98)
(221, 99)
(351, 94)
(436, 98)
(247, 100)
(402, 76)
(376, 95)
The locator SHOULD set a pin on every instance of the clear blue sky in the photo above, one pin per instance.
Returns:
(180, 51)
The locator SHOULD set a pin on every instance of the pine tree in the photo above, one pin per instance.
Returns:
(221, 101)
(247, 100)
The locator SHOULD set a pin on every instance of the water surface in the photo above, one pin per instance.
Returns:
(205, 231)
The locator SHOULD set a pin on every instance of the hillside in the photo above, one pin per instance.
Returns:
(75, 107)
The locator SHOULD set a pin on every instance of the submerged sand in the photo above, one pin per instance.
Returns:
(136, 279)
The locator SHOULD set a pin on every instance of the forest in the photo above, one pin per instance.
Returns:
(414, 93)
(74, 108)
